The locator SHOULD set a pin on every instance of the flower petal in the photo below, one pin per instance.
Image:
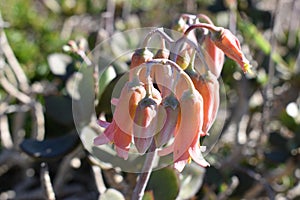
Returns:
(102, 123)
(195, 153)
(165, 151)
(107, 136)
(114, 101)
(179, 165)
(142, 144)
(122, 153)
(101, 139)
(122, 141)
(191, 105)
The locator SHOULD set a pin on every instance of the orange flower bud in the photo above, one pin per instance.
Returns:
(183, 59)
(140, 56)
(230, 45)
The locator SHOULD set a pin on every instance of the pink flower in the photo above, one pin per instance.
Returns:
(172, 109)
(119, 131)
(186, 145)
(148, 120)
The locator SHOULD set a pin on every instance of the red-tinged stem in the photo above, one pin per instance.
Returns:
(203, 25)
(187, 16)
(192, 44)
(206, 18)
(142, 182)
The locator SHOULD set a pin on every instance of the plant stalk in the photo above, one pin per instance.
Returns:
(142, 182)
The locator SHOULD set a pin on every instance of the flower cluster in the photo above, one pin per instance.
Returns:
(169, 101)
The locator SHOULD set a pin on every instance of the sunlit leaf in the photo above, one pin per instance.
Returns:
(112, 194)
(83, 107)
(58, 63)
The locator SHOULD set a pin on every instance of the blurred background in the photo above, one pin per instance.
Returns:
(41, 157)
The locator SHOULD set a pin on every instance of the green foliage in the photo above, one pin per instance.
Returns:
(164, 184)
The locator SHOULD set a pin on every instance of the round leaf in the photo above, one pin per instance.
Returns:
(50, 148)
(58, 63)
(164, 183)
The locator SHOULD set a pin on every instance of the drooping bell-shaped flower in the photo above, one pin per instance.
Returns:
(193, 153)
(186, 144)
(172, 108)
(230, 45)
(119, 131)
(208, 87)
(148, 120)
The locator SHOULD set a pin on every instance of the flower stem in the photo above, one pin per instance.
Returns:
(161, 33)
(210, 27)
(164, 61)
(140, 187)
(198, 49)
(205, 17)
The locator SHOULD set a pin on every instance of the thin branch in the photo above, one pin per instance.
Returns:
(140, 187)
(38, 121)
(225, 194)
(161, 33)
(99, 179)
(269, 178)
(13, 91)
(13, 62)
(46, 183)
(5, 133)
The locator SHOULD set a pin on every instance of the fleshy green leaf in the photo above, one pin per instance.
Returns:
(83, 106)
(50, 148)
(148, 196)
(105, 78)
(164, 183)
